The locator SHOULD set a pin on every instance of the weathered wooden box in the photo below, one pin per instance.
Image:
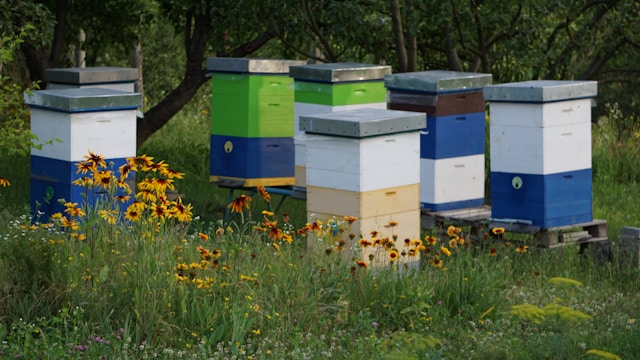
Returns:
(540, 137)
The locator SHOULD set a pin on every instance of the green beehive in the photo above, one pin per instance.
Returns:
(251, 98)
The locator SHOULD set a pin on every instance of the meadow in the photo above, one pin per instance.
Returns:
(171, 279)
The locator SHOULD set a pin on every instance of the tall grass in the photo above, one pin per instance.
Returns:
(209, 288)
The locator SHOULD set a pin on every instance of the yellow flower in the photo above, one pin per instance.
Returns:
(393, 255)
(238, 203)
(431, 240)
(445, 251)
(497, 231)
(350, 219)
(4, 182)
(522, 249)
(453, 231)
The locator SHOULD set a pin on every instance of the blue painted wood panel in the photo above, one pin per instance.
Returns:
(546, 200)
(453, 205)
(249, 158)
(51, 180)
(453, 136)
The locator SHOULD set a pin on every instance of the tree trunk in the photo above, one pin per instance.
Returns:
(396, 25)
(137, 63)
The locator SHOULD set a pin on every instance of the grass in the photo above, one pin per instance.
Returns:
(197, 287)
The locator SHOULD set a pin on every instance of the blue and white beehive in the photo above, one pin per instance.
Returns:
(365, 163)
(541, 151)
(77, 121)
(115, 78)
(452, 146)
(325, 88)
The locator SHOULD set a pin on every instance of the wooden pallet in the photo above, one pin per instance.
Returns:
(458, 217)
(587, 232)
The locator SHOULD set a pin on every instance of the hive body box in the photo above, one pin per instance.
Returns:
(99, 120)
(325, 88)
(541, 151)
(252, 121)
(365, 163)
(115, 78)
(452, 146)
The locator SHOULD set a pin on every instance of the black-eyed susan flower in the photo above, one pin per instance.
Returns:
(437, 263)
(238, 203)
(498, 231)
(393, 255)
(350, 219)
(132, 213)
(4, 182)
(431, 240)
(445, 251)
(97, 160)
(264, 193)
(171, 174)
(159, 212)
(365, 243)
(453, 231)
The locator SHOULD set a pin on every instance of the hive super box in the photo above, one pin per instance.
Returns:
(252, 123)
(540, 136)
(452, 145)
(325, 88)
(77, 121)
(365, 163)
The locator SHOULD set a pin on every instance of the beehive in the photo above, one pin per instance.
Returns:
(541, 151)
(325, 88)
(76, 121)
(252, 122)
(115, 78)
(365, 163)
(452, 146)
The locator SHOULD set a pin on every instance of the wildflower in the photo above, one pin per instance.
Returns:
(238, 203)
(102, 177)
(267, 213)
(159, 166)
(97, 160)
(350, 219)
(374, 324)
(437, 263)
(161, 185)
(265, 195)
(132, 214)
(453, 243)
(180, 211)
(171, 174)
(431, 240)
(361, 263)
(415, 242)
(142, 162)
(276, 246)
(288, 238)
(497, 231)
(203, 236)
(365, 243)
(412, 252)
(392, 223)
(493, 252)
(110, 216)
(445, 251)
(522, 249)
(459, 240)
(453, 231)
(124, 171)
(159, 211)
(84, 167)
(146, 195)
(219, 231)
(123, 198)
(256, 331)
(393, 255)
